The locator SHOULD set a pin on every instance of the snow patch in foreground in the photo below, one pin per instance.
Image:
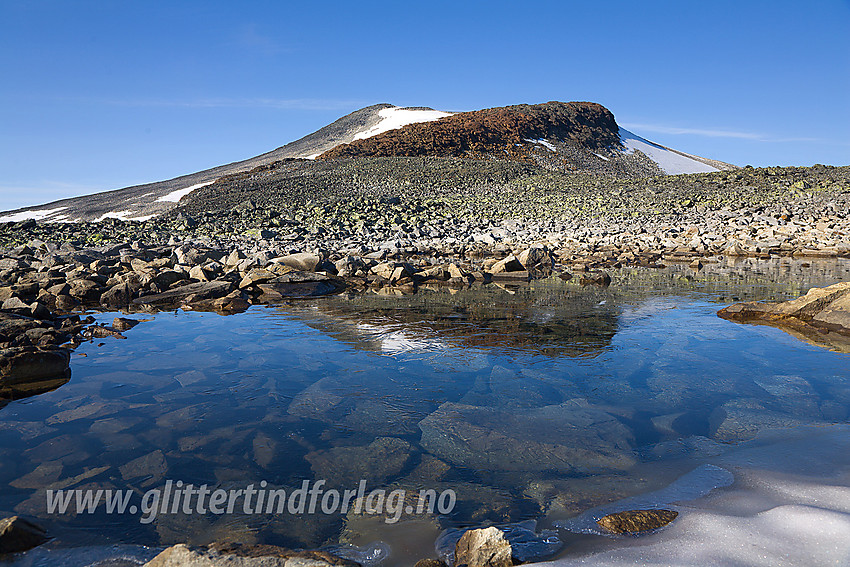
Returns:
(396, 117)
(35, 215)
(175, 196)
(790, 505)
(669, 161)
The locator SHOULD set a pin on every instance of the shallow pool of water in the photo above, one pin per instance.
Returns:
(527, 402)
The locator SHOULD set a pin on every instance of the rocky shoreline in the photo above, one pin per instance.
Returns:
(231, 257)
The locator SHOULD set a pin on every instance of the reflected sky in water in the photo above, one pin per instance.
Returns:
(533, 401)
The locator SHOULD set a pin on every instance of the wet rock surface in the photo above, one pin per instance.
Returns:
(636, 521)
(18, 534)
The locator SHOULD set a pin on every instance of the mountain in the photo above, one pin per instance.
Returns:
(578, 137)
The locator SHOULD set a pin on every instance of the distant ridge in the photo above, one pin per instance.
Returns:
(559, 136)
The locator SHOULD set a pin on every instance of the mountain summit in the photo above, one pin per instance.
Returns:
(566, 136)
(570, 137)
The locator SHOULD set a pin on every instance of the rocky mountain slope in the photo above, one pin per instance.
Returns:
(563, 137)
(143, 201)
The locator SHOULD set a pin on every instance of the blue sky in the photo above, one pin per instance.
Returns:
(99, 95)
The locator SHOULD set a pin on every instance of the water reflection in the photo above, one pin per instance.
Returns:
(552, 399)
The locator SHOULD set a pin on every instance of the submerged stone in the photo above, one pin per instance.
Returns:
(573, 437)
(382, 459)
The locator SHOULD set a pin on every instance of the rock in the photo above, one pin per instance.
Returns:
(742, 420)
(190, 256)
(430, 563)
(298, 285)
(40, 311)
(201, 274)
(167, 278)
(6, 263)
(117, 296)
(237, 555)
(536, 257)
(262, 233)
(234, 302)
(153, 466)
(573, 437)
(85, 290)
(601, 279)
(15, 304)
(18, 534)
(485, 547)
(526, 545)
(835, 316)
(234, 258)
(508, 264)
(197, 291)
(377, 462)
(303, 261)
(456, 272)
(256, 276)
(820, 317)
(121, 324)
(24, 365)
(636, 521)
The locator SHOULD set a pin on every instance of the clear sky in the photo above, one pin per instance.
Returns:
(98, 95)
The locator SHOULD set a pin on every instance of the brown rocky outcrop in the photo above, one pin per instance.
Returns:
(503, 132)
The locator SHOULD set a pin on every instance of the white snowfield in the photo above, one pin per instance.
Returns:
(123, 215)
(397, 117)
(789, 506)
(544, 143)
(670, 162)
(175, 196)
(36, 215)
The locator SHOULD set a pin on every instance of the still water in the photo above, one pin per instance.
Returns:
(534, 402)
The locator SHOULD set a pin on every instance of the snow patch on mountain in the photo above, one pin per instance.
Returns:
(671, 162)
(175, 196)
(397, 117)
(544, 143)
(40, 214)
(124, 215)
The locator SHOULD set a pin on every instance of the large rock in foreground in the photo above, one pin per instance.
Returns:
(483, 548)
(18, 534)
(821, 317)
(573, 437)
(245, 556)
